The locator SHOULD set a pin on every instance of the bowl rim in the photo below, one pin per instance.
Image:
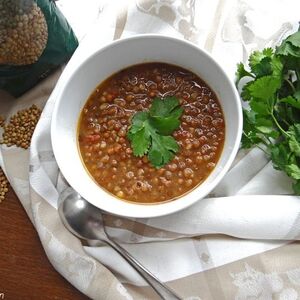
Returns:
(170, 209)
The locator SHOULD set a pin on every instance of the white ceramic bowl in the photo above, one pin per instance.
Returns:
(110, 59)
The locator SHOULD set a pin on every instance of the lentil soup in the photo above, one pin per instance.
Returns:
(106, 119)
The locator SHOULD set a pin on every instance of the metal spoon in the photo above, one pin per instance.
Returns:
(85, 221)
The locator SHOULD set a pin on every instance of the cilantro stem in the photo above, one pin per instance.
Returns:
(278, 125)
(290, 84)
(262, 141)
(298, 74)
(258, 146)
(285, 122)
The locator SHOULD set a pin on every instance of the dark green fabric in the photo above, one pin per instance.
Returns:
(60, 46)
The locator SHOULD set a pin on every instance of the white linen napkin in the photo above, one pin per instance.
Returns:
(191, 250)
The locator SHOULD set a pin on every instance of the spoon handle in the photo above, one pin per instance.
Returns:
(160, 288)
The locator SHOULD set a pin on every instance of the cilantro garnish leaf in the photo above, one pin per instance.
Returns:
(272, 119)
(164, 108)
(138, 122)
(150, 131)
(165, 114)
(162, 150)
(165, 125)
(140, 141)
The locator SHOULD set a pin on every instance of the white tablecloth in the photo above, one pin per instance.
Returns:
(238, 243)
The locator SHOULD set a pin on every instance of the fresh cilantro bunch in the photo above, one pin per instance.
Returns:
(150, 131)
(272, 120)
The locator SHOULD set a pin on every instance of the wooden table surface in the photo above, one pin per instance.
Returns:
(25, 272)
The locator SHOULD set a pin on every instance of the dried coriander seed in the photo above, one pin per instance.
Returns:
(20, 128)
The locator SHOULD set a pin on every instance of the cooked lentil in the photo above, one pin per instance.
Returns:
(106, 117)
(3, 185)
(20, 128)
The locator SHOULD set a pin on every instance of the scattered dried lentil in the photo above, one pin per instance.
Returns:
(20, 128)
(3, 185)
(2, 120)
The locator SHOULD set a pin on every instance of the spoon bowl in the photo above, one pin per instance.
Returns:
(79, 216)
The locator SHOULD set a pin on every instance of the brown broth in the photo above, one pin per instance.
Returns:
(105, 120)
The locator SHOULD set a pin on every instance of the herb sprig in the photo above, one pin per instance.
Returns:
(272, 120)
(150, 131)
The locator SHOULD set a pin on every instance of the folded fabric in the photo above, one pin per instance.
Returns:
(239, 242)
